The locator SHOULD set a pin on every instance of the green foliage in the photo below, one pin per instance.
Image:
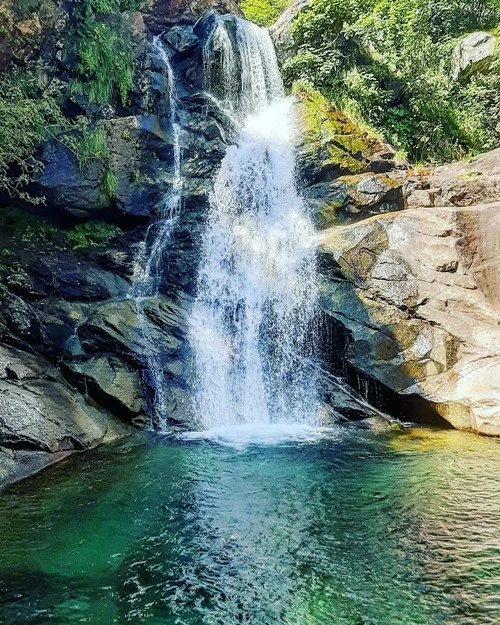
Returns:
(29, 114)
(92, 234)
(103, 49)
(28, 231)
(25, 8)
(263, 12)
(32, 232)
(89, 143)
(388, 64)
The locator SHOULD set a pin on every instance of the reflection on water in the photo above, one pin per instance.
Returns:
(355, 529)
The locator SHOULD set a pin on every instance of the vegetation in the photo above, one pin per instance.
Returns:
(32, 232)
(263, 12)
(29, 114)
(103, 49)
(388, 64)
(92, 234)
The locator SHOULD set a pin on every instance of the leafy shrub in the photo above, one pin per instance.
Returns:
(104, 52)
(24, 8)
(28, 115)
(31, 114)
(388, 63)
(92, 234)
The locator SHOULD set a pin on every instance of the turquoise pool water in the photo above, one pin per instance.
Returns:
(355, 528)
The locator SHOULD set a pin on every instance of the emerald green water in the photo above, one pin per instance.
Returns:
(355, 529)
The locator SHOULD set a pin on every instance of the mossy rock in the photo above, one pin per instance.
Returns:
(332, 144)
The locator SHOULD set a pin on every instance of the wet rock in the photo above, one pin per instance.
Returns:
(65, 185)
(160, 14)
(115, 385)
(41, 417)
(181, 38)
(72, 278)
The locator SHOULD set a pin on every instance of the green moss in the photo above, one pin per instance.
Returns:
(329, 214)
(328, 132)
(470, 175)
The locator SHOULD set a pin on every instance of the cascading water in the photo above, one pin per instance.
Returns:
(150, 263)
(252, 324)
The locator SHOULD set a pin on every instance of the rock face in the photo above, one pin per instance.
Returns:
(42, 418)
(161, 13)
(473, 54)
(347, 173)
(280, 30)
(419, 294)
(66, 277)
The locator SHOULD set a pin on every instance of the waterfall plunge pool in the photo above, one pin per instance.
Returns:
(353, 528)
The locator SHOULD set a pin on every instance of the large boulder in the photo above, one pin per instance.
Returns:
(466, 183)
(418, 292)
(42, 418)
(474, 54)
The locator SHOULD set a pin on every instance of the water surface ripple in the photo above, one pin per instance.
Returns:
(353, 529)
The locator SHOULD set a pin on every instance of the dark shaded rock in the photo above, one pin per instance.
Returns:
(110, 381)
(70, 277)
(160, 14)
(65, 185)
(181, 38)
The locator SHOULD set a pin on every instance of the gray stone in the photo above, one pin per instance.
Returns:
(474, 53)
(181, 38)
(42, 418)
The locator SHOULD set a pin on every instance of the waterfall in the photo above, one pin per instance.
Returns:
(252, 324)
(150, 262)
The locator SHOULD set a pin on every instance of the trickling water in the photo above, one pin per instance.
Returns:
(252, 323)
(150, 263)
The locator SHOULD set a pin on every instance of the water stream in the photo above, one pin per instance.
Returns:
(252, 326)
(150, 262)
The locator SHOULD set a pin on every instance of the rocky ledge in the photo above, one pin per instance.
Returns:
(417, 292)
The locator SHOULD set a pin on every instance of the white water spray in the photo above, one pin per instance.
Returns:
(150, 263)
(252, 325)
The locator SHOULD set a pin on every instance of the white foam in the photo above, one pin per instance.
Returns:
(244, 435)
